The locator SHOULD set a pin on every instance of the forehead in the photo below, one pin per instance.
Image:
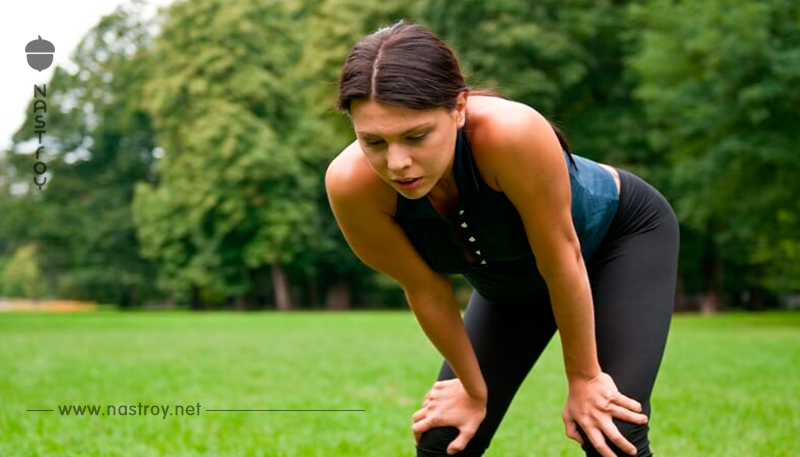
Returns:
(376, 118)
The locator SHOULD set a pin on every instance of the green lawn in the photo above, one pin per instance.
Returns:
(729, 386)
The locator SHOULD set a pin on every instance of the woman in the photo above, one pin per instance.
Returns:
(443, 180)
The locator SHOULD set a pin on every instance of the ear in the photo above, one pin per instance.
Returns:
(461, 108)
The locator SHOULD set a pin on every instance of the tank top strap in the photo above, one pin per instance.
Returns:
(464, 168)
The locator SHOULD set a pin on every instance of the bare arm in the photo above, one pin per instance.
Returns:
(380, 243)
(536, 180)
(438, 314)
(574, 313)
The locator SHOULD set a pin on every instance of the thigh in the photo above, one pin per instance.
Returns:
(507, 338)
(633, 277)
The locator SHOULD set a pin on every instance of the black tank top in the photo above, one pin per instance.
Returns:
(501, 264)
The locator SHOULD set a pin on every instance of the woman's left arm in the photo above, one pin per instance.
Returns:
(532, 172)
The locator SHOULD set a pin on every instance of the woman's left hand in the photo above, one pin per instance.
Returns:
(448, 403)
(591, 404)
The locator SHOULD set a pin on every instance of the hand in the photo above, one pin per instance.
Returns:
(591, 404)
(447, 403)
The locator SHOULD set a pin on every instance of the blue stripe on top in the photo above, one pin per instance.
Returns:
(501, 264)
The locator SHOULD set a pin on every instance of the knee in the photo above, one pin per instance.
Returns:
(634, 433)
(434, 442)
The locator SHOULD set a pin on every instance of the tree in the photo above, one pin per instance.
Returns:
(98, 142)
(719, 81)
(233, 198)
(20, 276)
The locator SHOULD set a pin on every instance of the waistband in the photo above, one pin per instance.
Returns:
(640, 206)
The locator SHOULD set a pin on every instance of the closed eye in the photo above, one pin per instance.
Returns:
(412, 138)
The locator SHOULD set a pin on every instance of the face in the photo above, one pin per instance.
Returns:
(402, 143)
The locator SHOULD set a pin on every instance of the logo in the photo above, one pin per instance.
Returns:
(40, 53)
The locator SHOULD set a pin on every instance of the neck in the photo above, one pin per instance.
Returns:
(444, 195)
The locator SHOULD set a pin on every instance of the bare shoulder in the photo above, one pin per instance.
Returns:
(493, 122)
(363, 205)
(349, 174)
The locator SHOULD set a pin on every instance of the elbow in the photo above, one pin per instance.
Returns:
(435, 290)
(564, 264)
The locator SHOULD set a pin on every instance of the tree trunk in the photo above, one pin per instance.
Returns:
(133, 298)
(338, 296)
(756, 299)
(240, 302)
(681, 301)
(711, 301)
(280, 284)
(312, 292)
(196, 303)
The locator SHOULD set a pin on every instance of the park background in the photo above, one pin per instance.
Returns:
(186, 154)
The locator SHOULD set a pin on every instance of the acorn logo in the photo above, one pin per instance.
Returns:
(40, 53)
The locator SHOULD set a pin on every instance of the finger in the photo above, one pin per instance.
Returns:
(417, 419)
(613, 434)
(572, 431)
(628, 402)
(598, 441)
(628, 416)
(421, 426)
(420, 414)
(458, 444)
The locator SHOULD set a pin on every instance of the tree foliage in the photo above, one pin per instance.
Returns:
(186, 155)
(719, 83)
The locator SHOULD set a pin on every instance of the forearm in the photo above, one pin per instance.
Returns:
(571, 300)
(437, 313)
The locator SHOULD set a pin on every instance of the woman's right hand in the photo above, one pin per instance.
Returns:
(448, 403)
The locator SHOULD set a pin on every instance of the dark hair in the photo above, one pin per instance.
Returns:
(405, 64)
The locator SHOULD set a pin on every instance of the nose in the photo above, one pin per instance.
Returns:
(398, 161)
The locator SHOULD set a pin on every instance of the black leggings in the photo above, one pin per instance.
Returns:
(632, 277)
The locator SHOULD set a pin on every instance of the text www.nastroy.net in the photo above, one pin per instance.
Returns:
(130, 410)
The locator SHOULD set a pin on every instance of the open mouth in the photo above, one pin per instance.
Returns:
(407, 182)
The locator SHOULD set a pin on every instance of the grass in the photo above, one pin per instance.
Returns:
(729, 385)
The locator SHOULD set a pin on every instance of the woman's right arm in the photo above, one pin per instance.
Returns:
(380, 243)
